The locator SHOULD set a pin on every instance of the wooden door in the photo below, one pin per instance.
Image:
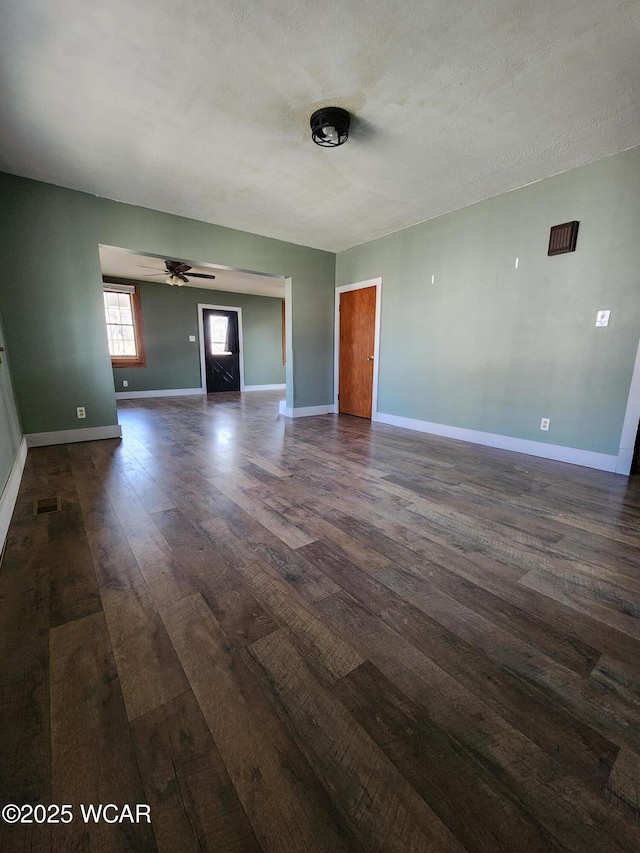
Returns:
(357, 339)
(222, 350)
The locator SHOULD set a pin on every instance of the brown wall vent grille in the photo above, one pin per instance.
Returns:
(40, 507)
(563, 238)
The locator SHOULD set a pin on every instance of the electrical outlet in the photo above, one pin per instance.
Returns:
(125, 384)
(192, 339)
(81, 412)
(544, 423)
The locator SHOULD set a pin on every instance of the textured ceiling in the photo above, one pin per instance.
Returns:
(122, 263)
(201, 108)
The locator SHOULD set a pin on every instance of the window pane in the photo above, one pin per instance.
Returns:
(218, 334)
(120, 324)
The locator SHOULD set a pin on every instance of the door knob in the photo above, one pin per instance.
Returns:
(370, 358)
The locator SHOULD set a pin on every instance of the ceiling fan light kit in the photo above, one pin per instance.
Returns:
(330, 126)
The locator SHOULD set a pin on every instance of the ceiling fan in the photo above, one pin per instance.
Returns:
(175, 271)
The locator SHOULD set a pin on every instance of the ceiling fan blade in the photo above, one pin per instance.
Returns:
(145, 267)
(182, 277)
(153, 275)
(200, 275)
(176, 267)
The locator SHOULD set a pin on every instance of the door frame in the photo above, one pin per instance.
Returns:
(631, 424)
(372, 282)
(203, 368)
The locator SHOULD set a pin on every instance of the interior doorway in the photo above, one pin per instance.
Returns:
(357, 348)
(221, 359)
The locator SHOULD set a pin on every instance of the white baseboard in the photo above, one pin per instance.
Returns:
(69, 436)
(264, 387)
(10, 492)
(305, 411)
(573, 455)
(168, 392)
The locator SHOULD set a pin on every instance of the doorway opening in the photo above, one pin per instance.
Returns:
(357, 348)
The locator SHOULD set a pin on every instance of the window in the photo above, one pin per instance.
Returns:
(218, 330)
(123, 315)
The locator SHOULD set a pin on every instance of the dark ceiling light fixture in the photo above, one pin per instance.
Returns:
(330, 126)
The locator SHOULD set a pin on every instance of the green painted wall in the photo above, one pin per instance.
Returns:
(492, 348)
(170, 315)
(53, 309)
(10, 432)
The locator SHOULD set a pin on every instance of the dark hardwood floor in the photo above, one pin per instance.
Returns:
(319, 635)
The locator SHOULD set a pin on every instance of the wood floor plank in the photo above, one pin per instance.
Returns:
(287, 808)
(73, 585)
(383, 811)
(557, 644)
(327, 653)
(623, 787)
(318, 528)
(164, 573)
(236, 608)
(583, 700)
(606, 602)
(148, 668)
(25, 757)
(193, 802)
(577, 541)
(495, 577)
(289, 533)
(573, 809)
(244, 540)
(482, 814)
(617, 676)
(504, 679)
(96, 506)
(92, 755)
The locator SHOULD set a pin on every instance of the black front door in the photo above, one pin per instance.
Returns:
(222, 350)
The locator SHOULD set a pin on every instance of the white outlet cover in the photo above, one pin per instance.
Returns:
(192, 338)
(545, 423)
(81, 412)
(602, 318)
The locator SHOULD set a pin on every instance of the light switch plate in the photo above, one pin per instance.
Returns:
(602, 318)
(192, 338)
